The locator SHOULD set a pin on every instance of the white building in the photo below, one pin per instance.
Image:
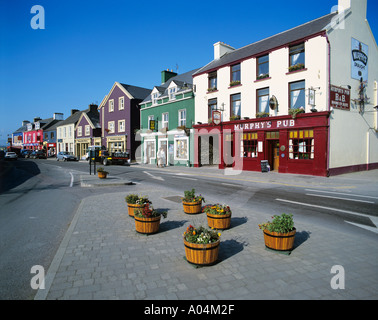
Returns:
(256, 89)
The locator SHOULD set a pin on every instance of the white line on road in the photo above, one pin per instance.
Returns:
(153, 177)
(185, 178)
(72, 180)
(344, 194)
(338, 198)
(230, 184)
(327, 208)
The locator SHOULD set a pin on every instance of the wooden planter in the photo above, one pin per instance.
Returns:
(102, 175)
(201, 254)
(131, 207)
(192, 207)
(279, 241)
(219, 221)
(147, 225)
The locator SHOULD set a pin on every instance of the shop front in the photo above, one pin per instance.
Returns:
(298, 145)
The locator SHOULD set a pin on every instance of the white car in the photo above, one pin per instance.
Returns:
(11, 156)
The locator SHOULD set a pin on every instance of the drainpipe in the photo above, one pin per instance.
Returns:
(329, 101)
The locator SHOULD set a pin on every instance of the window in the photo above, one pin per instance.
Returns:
(165, 117)
(52, 135)
(111, 105)
(154, 98)
(79, 131)
(297, 57)
(121, 103)
(297, 95)
(212, 81)
(150, 118)
(248, 145)
(212, 105)
(121, 126)
(235, 74)
(182, 118)
(235, 106)
(111, 127)
(181, 149)
(64, 132)
(263, 100)
(301, 144)
(172, 93)
(262, 67)
(87, 130)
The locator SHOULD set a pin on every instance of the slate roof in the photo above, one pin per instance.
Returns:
(73, 119)
(136, 92)
(303, 31)
(181, 80)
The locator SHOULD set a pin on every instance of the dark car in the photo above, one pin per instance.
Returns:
(38, 154)
(25, 153)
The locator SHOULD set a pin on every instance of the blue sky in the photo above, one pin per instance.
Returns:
(88, 45)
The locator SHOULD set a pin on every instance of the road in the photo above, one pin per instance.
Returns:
(38, 199)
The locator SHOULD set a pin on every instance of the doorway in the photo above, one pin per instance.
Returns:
(164, 144)
(274, 154)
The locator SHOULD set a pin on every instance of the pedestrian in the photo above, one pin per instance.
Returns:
(161, 158)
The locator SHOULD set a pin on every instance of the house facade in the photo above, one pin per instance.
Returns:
(65, 133)
(120, 117)
(167, 115)
(286, 100)
(87, 131)
(17, 136)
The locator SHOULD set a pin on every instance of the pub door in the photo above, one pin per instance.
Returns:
(274, 155)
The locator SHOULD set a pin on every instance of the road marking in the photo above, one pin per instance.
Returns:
(72, 180)
(326, 208)
(338, 198)
(372, 229)
(230, 184)
(153, 177)
(345, 194)
(186, 178)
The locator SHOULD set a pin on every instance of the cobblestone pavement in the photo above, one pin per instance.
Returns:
(103, 257)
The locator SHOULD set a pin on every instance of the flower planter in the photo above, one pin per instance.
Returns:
(102, 175)
(192, 207)
(219, 221)
(279, 241)
(131, 207)
(147, 225)
(201, 254)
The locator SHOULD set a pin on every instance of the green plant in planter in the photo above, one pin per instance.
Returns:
(295, 112)
(135, 199)
(200, 235)
(190, 196)
(262, 114)
(101, 169)
(149, 212)
(281, 224)
(220, 209)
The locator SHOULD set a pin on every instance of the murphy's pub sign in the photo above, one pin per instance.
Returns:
(275, 124)
(360, 53)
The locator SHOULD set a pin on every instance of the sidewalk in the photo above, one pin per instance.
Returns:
(102, 257)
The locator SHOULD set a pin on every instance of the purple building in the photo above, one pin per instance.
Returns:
(120, 117)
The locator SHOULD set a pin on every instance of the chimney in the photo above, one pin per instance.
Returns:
(221, 49)
(166, 75)
(58, 116)
(36, 119)
(358, 7)
(93, 107)
(73, 111)
(25, 122)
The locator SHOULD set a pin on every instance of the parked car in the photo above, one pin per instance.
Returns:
(38, 154)
(65, 156)
(11, 156)
(25, 153)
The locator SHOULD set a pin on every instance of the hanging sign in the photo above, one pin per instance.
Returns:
(340, 98)
(360, 53)
(217, 116)
(152, 125)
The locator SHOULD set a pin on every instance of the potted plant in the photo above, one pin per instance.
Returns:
(192, 204)
(295, 112)
(147, 219)
(135, 202)
(201, 245)
(279, 234)
(262, 114)
(218, 216)
(102, 174)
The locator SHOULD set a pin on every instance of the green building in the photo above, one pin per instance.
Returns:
(167, 116)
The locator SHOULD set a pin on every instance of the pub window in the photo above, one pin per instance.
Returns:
(235, 74)
(262, 67)
(263, 100)
(248, 145)
(235, 106)
(212, 106)
(301, 144)
(297, 57)
(212, 85)
(297, 95)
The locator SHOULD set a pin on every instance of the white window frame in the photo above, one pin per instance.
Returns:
(180, 120)
(121, 126)
(155, 98)
(111, 127)
(79, 131)
(121, 103)
(187, 148)
(87, 130)
(111, 105)
(172, 93)
(165, 123)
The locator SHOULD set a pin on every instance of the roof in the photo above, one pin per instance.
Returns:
(136, 92)
(73, 119)
(303, 31)
(181, 80)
